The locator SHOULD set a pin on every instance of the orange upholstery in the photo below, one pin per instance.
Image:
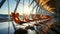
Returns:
(44, 16)
(26, 18)
(16, 17)
(32, 15)
(38, 16)
(50, 17)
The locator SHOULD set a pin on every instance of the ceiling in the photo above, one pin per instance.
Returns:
(49, 5)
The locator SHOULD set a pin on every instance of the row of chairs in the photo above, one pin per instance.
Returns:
(38, 17)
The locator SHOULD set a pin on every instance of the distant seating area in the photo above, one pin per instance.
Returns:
(19, 21)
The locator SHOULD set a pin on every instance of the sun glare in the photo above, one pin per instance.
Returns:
(27, 10)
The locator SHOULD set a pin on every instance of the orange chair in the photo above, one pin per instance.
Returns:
(38, 16)
(16, 18)
(27, 19)
(44, 16)
(50, 17)
(34, 19)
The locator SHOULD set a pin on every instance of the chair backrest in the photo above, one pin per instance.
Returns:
(26, 18)
(44, 16)
(16, 17)
(32, 15)
(50, 17)
(38, 16)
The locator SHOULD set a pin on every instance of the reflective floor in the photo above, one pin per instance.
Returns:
(4, 27)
